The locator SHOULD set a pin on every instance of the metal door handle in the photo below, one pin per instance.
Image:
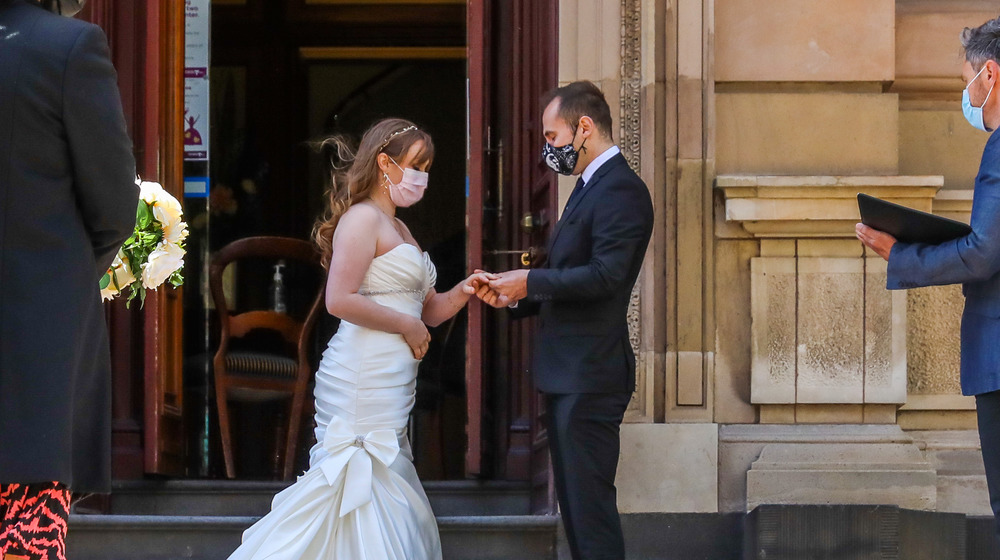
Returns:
(528, 256)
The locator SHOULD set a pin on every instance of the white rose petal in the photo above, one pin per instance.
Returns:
(150, 192)
(175, 232)
(167, 214)
(163, 261)
(168, 206)
(122, 275)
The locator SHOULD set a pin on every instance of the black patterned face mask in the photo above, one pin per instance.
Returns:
(68, 8)
(563, 159)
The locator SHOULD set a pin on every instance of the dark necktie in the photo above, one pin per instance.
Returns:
(576, 192)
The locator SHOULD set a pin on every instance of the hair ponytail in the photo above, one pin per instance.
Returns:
(338, 157)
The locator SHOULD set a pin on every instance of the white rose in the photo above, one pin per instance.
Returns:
(166, 210)
(121, 274)
(163, 261)
(169, 216)
(150, 192)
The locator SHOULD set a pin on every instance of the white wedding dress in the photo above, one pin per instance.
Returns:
(360, 498)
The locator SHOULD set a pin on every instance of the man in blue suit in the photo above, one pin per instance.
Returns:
(973, 260)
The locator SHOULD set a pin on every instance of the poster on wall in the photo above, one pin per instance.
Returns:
(196, 64)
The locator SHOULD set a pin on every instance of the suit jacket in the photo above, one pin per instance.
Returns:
(582, 294)
(67, 202)
(973, 261)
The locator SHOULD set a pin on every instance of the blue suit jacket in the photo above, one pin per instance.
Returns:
(973, 261)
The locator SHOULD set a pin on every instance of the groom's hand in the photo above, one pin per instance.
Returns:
(491, 298)
(512, 285)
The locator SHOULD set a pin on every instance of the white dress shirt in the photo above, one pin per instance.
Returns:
(598, 162)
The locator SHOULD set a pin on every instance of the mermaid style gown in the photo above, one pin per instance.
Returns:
(360, 498)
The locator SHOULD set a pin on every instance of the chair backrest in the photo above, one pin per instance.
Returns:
(294, 332)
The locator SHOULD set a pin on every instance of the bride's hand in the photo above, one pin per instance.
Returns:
(417, 337)
(478, 279)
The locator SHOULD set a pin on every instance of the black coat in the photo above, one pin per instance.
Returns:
(67, 202)
(582, 293)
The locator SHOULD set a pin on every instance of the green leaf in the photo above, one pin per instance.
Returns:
(143, 215)
(105, 281)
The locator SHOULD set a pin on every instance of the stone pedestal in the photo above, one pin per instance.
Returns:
(668, 468)
(828, 340)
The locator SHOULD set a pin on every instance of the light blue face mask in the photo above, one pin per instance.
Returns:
(974, 114)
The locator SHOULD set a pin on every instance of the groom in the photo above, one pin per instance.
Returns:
(583, 361)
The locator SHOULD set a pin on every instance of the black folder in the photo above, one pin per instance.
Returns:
(908, 225)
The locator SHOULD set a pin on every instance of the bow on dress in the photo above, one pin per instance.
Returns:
(355, 453)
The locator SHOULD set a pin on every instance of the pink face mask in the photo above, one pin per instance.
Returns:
(410, 188)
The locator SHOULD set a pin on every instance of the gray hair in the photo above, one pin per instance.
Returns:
(982, 43)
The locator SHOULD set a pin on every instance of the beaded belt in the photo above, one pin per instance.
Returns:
(388, 292)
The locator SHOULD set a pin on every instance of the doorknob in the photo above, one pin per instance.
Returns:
(528, 257)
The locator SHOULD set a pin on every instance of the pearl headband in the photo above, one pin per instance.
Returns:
(395, 134)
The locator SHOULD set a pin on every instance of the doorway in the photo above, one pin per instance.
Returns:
(288, 72)
(346, 95)
(513, 56)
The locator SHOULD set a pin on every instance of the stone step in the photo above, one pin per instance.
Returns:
(250, 498)
(162, 537)
(866, 531)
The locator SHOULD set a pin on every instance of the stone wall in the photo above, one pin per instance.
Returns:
(756, 306)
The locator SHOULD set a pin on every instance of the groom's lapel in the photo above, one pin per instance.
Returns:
(587, 190)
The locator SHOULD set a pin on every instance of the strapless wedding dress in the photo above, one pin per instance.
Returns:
(360, 498)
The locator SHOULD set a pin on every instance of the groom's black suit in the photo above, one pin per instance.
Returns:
(583, 360)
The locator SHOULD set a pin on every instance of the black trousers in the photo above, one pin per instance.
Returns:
(988, 414)
(584, 441)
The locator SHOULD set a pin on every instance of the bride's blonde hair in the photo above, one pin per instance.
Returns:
(354, 176)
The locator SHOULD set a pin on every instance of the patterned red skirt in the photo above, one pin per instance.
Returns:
(33, 521)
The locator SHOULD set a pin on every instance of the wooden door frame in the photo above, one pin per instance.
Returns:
(480, 63)
(147, 48)
(164, 159)
(508, 444)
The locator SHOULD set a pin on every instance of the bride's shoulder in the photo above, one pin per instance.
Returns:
(361, 215)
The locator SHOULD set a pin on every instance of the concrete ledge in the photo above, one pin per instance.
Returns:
(838, 473)
(803, 206)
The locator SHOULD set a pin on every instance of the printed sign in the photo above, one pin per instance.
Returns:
(196, 64)
(196, 187)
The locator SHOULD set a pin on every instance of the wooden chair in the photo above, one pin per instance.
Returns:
(256, 376)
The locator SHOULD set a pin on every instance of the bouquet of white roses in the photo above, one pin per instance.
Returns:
(155, 251)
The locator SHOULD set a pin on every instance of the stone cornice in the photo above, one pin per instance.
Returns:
(954, 203)
(815, 206)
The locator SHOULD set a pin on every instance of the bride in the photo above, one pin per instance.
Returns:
(360, 498)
